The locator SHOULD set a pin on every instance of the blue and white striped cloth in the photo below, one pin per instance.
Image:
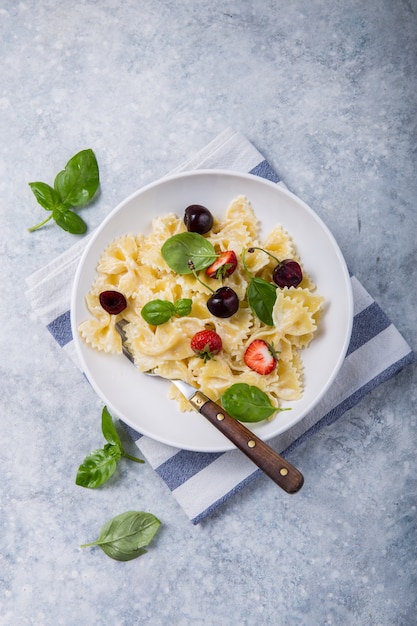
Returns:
(202, 481)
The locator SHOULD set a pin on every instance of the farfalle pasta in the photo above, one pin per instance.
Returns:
(134, 266)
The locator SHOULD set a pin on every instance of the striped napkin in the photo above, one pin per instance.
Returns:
(200, 482)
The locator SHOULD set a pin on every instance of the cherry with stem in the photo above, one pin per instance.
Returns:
(287, 273)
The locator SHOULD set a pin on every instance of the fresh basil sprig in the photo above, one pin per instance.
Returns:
(73, 187)
(182, 248)
(261, 296)
(100, 465)
(248, 403)
(158, 312)
(124, 537)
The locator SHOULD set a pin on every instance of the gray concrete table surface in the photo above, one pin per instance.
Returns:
(327, 92)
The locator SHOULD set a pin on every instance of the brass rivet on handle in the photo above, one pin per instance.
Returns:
(220, 416)
(283, 471)
(251, 443)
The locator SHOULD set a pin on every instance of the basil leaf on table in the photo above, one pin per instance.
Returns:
(111, 436)
(69, 221)
(46, 195)
(124, 537)
(100, 465)
(78, 182)
(108, 429)
(247, 403)
(73, 187)
(179, 249)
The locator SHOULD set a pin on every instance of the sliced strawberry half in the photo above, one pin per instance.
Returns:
(260, 356)
(224, 265)
(206, 344)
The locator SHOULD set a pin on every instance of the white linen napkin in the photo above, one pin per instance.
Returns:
(200, 482)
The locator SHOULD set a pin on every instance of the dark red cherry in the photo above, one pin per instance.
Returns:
(287, 274)
(113, 302)
(223, 303)
(198, 219)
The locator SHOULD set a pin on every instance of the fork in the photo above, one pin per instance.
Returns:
(263, 456)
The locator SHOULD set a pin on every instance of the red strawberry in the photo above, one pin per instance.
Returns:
(224, 265)
(260, 356)
(206, 343)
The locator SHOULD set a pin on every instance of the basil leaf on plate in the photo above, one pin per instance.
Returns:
(179, 249)
(157, 312)
(247, 403)
(261, 298)
(124, 537)
(183, 307)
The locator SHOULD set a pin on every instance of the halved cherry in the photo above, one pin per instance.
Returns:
(113, 302)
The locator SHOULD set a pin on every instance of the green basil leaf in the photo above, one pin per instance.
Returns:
(179, 249)
(46, 195)
(79, 181)
(109, 430)
(157, 312)
(183, 307)
(247, 403)
(124, 537)
(261, 299)
(98, 467)
(69, 221)
(113, 450)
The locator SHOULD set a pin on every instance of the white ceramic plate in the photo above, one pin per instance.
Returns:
(141, 401)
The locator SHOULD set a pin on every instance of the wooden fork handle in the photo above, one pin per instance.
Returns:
(270, 462)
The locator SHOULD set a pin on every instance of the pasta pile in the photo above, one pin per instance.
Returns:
(133, 265)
